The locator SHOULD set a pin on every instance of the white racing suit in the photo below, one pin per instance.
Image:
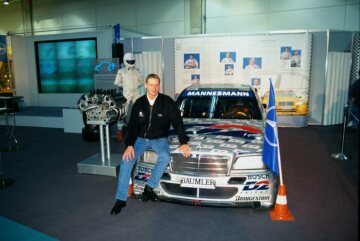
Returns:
(129, 78)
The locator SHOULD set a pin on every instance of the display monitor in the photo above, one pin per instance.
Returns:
(65, 66)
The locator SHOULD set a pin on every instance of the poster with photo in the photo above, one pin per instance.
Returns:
(285, 58)
(227, 57)
(191, 61)
(195, 79)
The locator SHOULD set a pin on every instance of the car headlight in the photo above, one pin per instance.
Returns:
(249, 162)
(149, 157)
(299, 103)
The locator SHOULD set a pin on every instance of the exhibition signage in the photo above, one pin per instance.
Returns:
(251, 59)
(105, 71)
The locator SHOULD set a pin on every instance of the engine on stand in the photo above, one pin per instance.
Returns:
(101, 108)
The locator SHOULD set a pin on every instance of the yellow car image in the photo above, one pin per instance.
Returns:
(287, 102)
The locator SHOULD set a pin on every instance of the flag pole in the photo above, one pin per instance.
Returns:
(281, 211)
(279, 158)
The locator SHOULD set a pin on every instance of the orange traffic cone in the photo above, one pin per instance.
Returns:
(281, 211)
(131, 188)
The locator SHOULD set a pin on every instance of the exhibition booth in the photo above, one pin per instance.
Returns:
(318, 80)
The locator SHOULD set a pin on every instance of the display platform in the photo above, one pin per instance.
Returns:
(95, 165)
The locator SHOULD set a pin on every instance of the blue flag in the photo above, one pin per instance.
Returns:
(3, 52)
(271, 142)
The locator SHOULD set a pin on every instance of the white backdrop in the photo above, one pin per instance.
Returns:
(337, 85)
(150, 62)
(286, 70)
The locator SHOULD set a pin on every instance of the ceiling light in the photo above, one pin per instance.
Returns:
(6, 2)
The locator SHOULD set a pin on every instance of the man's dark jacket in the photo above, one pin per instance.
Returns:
(164, 112)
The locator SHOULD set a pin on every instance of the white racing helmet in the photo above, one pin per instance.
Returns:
(129, 60)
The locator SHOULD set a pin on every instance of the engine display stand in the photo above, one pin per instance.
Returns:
(103, 163)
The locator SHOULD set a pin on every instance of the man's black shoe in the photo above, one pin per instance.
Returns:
(149, 194)
(119, 204)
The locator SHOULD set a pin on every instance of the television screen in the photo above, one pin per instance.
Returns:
(65, 66)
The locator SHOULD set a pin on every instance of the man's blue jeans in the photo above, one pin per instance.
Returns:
(161, 147)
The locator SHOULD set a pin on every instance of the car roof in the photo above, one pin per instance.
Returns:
(219, 86)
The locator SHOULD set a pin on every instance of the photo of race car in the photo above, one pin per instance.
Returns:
(287, 102)
(225, 124)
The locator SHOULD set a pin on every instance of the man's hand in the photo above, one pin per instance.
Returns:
(129, 153)
(185, 150)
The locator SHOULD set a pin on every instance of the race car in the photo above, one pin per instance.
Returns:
(287, 102)
(225, 124)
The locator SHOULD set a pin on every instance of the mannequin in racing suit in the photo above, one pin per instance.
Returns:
(129, 78)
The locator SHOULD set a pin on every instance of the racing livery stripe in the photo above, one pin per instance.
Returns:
(242, 127)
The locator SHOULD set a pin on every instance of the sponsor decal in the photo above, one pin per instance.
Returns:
(214, 141)
(218, 151)
(144, 169)
(228, 145)
(261, 198)
(256, 185)
(143, 173)
(224, 93)
(252, 146)
(140, 176)
(197, 182)
(258, 176)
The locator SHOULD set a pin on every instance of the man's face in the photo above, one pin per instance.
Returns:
(152, 87)
(252, 61)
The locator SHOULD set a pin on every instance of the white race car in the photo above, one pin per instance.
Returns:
(225, 124)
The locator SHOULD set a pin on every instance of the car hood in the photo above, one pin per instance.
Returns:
(217, 136)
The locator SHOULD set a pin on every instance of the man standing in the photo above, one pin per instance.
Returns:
(149, 127)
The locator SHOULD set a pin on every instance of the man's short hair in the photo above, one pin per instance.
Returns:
(152, 76)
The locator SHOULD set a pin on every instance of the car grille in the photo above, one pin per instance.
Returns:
(200, 165)
(285, 103)
(217, 193)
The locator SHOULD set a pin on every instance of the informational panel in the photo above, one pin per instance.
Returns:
(105, 71)
(251, 60)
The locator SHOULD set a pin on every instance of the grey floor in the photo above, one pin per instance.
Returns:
(51, 197)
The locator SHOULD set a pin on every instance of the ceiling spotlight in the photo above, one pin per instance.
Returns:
(6, 2)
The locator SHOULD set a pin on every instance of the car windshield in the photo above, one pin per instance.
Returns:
(195, 107)
(219, 107)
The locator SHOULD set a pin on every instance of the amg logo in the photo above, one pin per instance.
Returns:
(263, 198)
